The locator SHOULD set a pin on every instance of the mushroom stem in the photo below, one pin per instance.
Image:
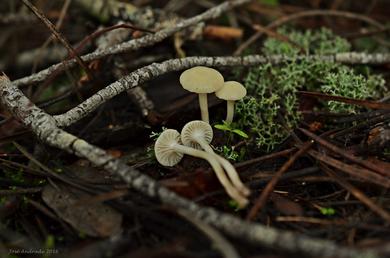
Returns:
(231, 191)
(204, 109)
(230, 111)
(230, 170)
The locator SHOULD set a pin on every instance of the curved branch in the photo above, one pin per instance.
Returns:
(149, 72)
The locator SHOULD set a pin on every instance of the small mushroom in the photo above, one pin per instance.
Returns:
(198, 135)
(202, 80)
(231, 91)
(169, 151)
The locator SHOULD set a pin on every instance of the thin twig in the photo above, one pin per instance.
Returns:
(358, 194)
(355, 171)
(53, 29)
(366, 33)
(263, 158)
(59, 23)
(20, 191)
(345, 154)
(261, 200)
(359, 102)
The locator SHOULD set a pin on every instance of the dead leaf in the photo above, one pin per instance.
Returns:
(93, 219)
(286, 206)
(315, 126)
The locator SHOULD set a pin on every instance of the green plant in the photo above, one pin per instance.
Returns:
(229, 153)
(327, 211)
(154, 135)
(233, 205)
(150, 149)
(345, 82)
(49, 245)
(272, 89)
(229, 127)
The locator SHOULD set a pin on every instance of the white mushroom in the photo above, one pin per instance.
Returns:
(202, 80)
(169, 151)
(198, 135)
(231, 92)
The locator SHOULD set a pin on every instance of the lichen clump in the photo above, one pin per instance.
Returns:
(271, 107)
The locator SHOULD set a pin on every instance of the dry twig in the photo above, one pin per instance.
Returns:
(261, 200)
(53, 29)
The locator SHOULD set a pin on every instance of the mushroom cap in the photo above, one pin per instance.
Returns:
(195, 129)
(163, 150)
(201, 79)
(231, 90)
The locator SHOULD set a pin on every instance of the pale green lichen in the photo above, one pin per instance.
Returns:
(272, 89)
(345, 82)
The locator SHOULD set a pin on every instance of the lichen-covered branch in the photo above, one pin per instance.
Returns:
(149, 72)
(137, 94)
(134, 44)
(45, 128)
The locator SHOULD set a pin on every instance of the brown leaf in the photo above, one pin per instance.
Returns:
(286, 206)
(315, 126)
(93, 219)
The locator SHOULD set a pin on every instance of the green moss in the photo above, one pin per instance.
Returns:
(272, 89)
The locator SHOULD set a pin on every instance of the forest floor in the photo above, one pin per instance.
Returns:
(310, 140)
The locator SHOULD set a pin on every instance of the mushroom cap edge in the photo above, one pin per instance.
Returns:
(165, 155)
(196, 127)
(201, 79)
(231, 90)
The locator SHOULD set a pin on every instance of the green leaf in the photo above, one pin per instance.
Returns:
(240, 133)
(327, 211)
(233, 204)
(223, 127)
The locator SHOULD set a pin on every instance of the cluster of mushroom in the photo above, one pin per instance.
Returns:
(196, 136)
(203, 80)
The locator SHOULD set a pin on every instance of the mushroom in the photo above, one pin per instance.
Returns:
(169, 152)
(198, 135)
(231, 91)
(202, 80)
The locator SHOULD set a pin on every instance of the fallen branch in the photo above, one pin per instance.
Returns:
(45, 128)
(151, 71)
(134, 44)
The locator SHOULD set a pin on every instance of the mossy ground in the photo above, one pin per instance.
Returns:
(271, 108)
